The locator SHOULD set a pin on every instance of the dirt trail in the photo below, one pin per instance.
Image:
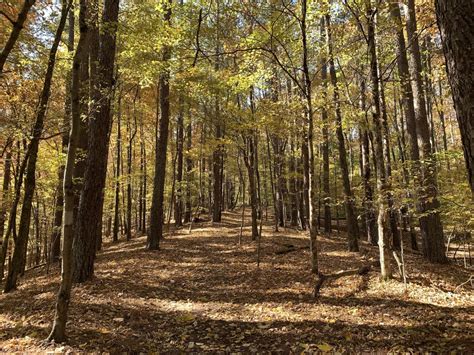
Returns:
(203, 292)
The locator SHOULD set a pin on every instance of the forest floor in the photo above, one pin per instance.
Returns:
(203, 292)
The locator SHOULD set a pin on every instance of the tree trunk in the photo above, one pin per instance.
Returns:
(17, 27)
(369, 210)
(310, 183)
(21, 242)
(5, 192)
(325, 145)
(115, 232)
(430, 221)
(58, 332)
(13, 210)
(178, 208)
(293, 188)
(89, 216)
(455, 22)
(156, 219)
(382, 183)
(408, 102)
(440, 106)
(352, 228)
(249, 160)
(58, 213)
(131, 138)
(216, 174)
(395, 240)
(272, 183)
(189, 170)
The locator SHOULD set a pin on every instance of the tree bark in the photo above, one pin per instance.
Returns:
(89, 216)
(189, 170)
(58, 332)
(58, 213)
(178, 208)
(308, 147)
(115, 232)
(382, 183)
(431, 227)
(352, 228)
(249, 159)
(5, 192)
(369, 210)
(17, 27)
(13, 210)
(131, 138)
(455, 22)
(326, 196)
(19, 254)
(156, 219)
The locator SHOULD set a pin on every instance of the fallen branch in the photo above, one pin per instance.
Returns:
(363, 270)
(289, 248)
(465, 283)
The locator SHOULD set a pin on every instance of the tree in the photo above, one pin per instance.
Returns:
(430, 222)
(15, 33)
(157, 215)
(58, 332)
(325, 130)
(455, 22)
(351, 221)
(382, 183)
(178, 210)
(19, 255)
(58, 213)
(89, 215)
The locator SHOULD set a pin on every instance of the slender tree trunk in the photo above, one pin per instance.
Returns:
(430, 221)
(249, 159)
(442, 119)
(58, 332)
(89, 216)
(21, 242)
(115, 232)
(178, 208)
(272, 183)
(293, 189)
(129, 167)
(382, 183)
(249, 139)
(3, 210)
(351, 220)
(455, 22)
(395, 240)
(58, 213)
(325, 145)
(37, 229)
(308, 147)
(5, 192)
(13, 210)
(369, 210)
(189, 169)
(217, 156)
(156, 219)
(408, 104)
(302, 203)
(143, 179)
(17, 27)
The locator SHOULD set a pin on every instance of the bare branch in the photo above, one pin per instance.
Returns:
(8, 17)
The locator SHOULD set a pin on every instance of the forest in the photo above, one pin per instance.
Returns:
(237, 176)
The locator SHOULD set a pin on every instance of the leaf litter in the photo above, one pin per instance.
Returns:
(202, 292)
